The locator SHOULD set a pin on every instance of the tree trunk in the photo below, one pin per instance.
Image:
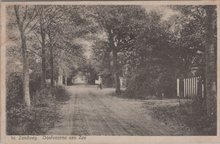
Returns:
(113, 47)
(43, 54)
(26, 90)
(51, 66)
(65, 80)
(210, 68)
(107, 79)
(60, 80)
(60, 77)
(25, 71)
(116, 72)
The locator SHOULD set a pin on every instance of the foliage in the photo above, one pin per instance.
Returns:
(149, 82)
(101, 61)
(42, 115)
(61, 94)
(173, 47)
(118, 24)
(183, 116)
(150, 66)
(127, 41)
(35, 83)
(14, 90)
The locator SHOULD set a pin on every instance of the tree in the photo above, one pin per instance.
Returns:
(66, 31)
(211, 58)
(43, 45)
(101, 61)
(25, 17)
(117, 22)
(57, 30)
(52, 30)
(199, 48)
(149, 60)
(46, 15)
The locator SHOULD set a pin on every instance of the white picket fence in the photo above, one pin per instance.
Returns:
(189, 87)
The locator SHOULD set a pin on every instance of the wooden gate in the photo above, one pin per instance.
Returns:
(190, 87)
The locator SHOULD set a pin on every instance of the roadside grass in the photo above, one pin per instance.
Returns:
(182, 117)
(40, 117)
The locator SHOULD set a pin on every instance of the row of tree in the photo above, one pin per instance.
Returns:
(47, 36)
(149, 50)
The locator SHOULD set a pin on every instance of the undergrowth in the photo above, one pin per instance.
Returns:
(42, 114)
(186, 118)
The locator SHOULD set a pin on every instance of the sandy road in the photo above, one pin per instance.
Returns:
(91, 111)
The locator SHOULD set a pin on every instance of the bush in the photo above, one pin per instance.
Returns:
(141, 85)
(14, 90)
(21, 121)
(35, 83)
(61, 94)
(43, 113)
(43, 98)
(107, 79)
(36, 120)
(17, 116)
(148, 83)
(184, 116)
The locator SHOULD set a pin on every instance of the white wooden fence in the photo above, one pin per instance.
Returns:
(190, 87)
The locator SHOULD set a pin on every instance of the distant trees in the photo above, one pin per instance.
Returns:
(101, 60)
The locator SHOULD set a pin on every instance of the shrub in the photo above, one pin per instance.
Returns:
(148, 83)
(36, 120)
(16, 117)
(23, 121)
(35, 83)
(61, 94)
(141, 85)
(43, 113)
(187, 118)
(14, 90)
(107, 79)
(42, 98)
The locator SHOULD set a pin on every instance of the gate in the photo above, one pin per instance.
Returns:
(190, 87)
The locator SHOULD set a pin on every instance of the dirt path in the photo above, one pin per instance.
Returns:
(91, 111)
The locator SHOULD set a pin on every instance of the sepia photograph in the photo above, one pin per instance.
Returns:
(111, 70)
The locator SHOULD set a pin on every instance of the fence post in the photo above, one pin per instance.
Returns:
(178, 87)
